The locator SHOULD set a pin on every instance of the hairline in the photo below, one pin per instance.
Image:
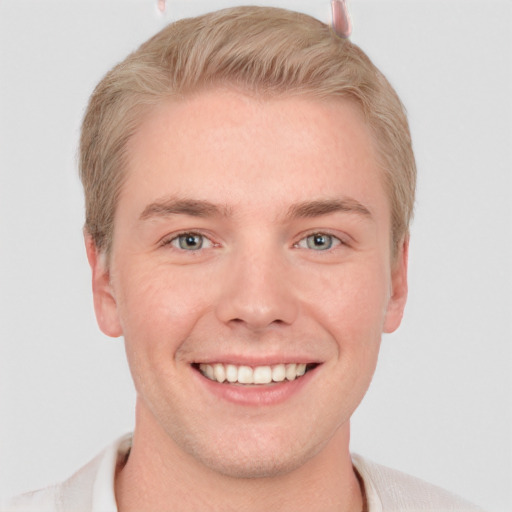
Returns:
(148, 104)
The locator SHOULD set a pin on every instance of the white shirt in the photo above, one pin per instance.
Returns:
(91, 489)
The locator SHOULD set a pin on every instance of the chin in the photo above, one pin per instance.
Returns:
(243, 467)
(252, 458)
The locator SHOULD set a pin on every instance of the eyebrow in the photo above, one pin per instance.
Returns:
(310, 209)
(200, 208)
(192, 207)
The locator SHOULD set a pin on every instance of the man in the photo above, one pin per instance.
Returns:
(249, 184)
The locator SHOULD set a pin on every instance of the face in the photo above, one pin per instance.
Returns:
(250, 275)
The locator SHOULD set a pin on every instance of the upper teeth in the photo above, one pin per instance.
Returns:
(252, 375)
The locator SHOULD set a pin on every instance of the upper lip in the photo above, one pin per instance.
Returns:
(256, 361)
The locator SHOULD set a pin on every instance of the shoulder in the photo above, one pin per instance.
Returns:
(91, 488)
(389, 490)
(43, 500)
(78, 490)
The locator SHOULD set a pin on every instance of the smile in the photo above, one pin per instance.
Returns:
(248, 375)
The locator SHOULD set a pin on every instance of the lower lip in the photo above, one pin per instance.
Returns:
(254, 395)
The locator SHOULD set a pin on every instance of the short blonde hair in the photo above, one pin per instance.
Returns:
(262, 50)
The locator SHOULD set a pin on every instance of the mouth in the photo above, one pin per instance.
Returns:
(253, 375)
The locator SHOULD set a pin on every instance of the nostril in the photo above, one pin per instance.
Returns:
(258, 324)
(256, 303)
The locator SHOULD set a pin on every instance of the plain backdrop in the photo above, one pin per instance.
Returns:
(440, 403)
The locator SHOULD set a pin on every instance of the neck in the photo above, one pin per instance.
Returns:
(158, 475)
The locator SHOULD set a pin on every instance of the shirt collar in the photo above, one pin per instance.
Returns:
(103, 494)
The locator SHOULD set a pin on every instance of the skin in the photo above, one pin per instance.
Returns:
(273, 172)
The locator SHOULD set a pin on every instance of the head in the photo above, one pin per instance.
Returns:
(249, 184)
(264, 51)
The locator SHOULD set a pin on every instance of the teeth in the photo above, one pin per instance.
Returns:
(219, 372)
(278, 373)
(291, 371)
(248, 375)
(262, 375)
(245, 375)
(209, 371)
(231, 372)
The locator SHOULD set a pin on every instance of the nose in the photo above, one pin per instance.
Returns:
(258, 291)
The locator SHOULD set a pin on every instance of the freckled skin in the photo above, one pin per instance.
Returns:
(256, 288)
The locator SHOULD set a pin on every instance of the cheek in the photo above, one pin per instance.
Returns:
(351, 300)
(157, 306)
(158, 313)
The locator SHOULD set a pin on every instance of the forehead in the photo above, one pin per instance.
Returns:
(226, 145)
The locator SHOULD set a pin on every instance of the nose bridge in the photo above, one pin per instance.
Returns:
(258, 291)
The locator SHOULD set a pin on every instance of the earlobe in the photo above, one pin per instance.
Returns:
(105, 305)
(399, 288)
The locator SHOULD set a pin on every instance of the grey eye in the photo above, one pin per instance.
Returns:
(190, 241)
(319, 241)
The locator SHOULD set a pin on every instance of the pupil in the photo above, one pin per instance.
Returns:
(319, 241)
(190, 241)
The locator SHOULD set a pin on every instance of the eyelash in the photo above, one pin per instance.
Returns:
(334, 241)
(176, 238)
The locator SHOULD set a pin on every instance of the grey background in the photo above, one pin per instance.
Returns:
(440, 404)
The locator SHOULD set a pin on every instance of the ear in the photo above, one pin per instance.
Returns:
(105, 305)
(396, 304)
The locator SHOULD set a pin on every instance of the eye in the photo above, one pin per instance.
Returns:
(319, 242)
(190, 242)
